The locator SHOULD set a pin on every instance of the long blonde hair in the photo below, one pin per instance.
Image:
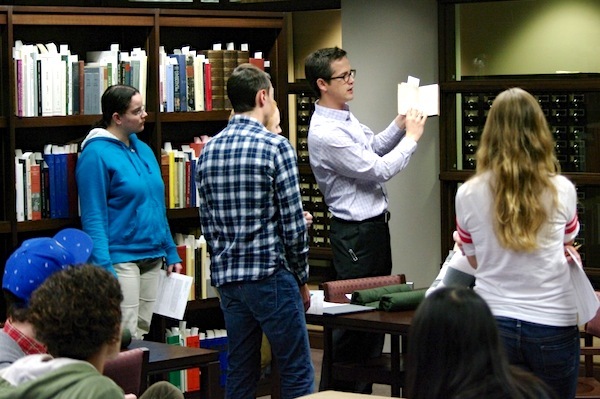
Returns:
(517, 147)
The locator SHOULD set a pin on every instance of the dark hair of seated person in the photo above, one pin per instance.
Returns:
(77, 311)
(455, 352)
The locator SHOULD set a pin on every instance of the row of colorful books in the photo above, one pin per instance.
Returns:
(50, 81)
(178, 168)
(45, 183)
(46, 188)
(196, 80)
(189, 380)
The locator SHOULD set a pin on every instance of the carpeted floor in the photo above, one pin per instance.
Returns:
(317, 357)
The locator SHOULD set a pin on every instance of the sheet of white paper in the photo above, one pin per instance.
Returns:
(423, 98)
(585, 296)
(173, 294)
(413, 81)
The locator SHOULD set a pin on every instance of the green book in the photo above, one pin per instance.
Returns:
(175, 376)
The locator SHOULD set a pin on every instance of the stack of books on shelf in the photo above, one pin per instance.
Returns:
(50, 81)
(196, 264)
(196, 80)
(189, 380)
(45, 183)
(178, 168)
(195, 260)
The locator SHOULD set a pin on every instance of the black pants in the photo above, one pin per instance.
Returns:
(360, 249)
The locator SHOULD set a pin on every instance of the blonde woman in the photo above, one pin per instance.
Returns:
(514, 218)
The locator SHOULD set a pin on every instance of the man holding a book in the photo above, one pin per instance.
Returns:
(351, 165)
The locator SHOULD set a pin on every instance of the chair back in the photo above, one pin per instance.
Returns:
(335, 291)
(129, 370)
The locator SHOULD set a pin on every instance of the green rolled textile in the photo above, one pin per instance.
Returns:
(402, 300)
(369, 295)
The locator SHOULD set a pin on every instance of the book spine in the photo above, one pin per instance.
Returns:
(19, 189)
(73, 198)
(189, 73)
(229, 64)
(183, 95)
(175, 376)
(81, 69)
(36, 192)
(164, 171)
(176, 88)
(215, 58)
(19, 87)
(193, 375)
(207, 87)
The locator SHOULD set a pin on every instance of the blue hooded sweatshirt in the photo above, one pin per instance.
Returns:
(122, 201)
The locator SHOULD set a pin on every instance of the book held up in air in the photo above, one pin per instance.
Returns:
(424, 98)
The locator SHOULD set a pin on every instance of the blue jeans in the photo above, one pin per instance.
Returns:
(272, 306)
(551, 353)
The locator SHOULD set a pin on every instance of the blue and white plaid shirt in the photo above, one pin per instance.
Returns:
(250, 204)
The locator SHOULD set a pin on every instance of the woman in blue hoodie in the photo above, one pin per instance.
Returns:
(122, 202)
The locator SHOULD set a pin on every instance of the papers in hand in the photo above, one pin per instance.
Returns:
(585, 296)
(172, 295)
(424, 98)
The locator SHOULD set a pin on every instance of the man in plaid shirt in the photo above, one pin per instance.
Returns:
(251, 215)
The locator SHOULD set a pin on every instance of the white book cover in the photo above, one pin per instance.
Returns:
(50, 71)
(423, 98)
(30, 53)
(162, 78)
(139, 57)
(199, 82)
(20, 192)
(26, 160)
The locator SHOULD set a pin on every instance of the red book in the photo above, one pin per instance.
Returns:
(197, 147)
(258, 62)
(188, 177)
(181, 253)
(193, 375)
(164, 171)
(207, 87)
(36, 192)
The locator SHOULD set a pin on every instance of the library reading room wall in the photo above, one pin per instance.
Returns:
(387, 42)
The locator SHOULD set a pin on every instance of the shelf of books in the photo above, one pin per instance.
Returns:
(63, 60)
(59, 60)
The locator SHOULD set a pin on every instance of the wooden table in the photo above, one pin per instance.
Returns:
(165, 358)
(396, 324)
(340, 395)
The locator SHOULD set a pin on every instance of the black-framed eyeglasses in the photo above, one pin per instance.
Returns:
(346, 76)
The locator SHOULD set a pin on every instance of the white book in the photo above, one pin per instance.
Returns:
(26, 160)
(49, 65)
(199, 82)
(59, 87)
(140, 59)
(30, 53)
(424, 98)
(162, 79)
(190, 250)
(20, 191)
